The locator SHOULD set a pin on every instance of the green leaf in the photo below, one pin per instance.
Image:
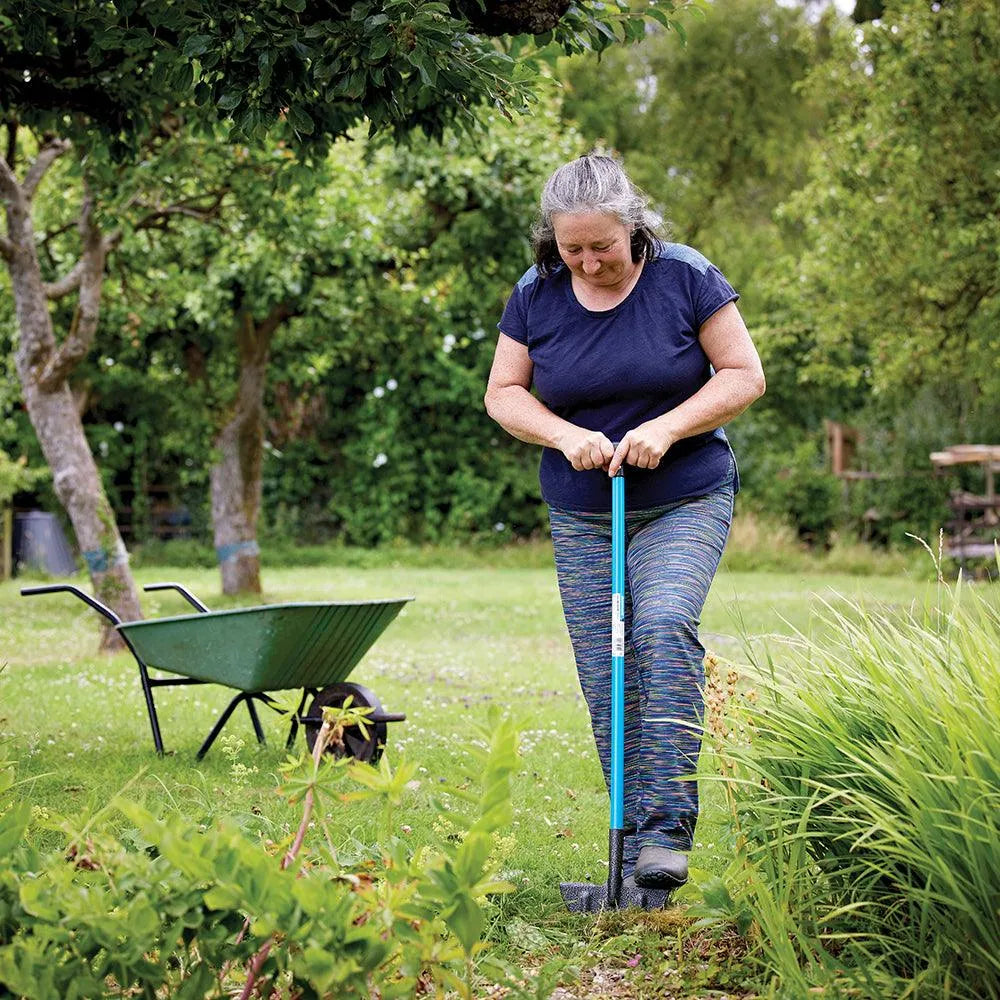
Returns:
(38, 897)
(716, 895)
(466, 921)
(659, 15)
(425, 66)
(13, 823)
(223, 897)
(355, 85)
(110, 39)
(300, 120)
(231, 99)
(197, 45)
(606, 31)
(380, 47)
(265, 63)
(471, 858)
(182, 76)
(527, 937)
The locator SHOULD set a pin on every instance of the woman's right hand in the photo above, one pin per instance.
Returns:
(586, 449)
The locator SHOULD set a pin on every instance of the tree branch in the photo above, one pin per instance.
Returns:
(51, 150)
(274, 319)
(511, 17)
(66, 284)
(53, 233)
(91, 275)
(11, 142)
(9, 187)
(159, 218)
(10, 192)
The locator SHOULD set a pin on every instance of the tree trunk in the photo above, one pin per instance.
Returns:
(236, 476)
(79, 489)
(43, 367)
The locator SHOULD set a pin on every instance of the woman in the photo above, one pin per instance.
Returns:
(638, 355)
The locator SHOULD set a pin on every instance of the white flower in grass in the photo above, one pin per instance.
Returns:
(392, 385)
(380, 459)
(378, 392)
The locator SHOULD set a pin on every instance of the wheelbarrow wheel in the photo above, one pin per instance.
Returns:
(363, 745)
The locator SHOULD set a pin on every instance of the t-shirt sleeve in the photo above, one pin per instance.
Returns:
(712, 294)
(513, 322)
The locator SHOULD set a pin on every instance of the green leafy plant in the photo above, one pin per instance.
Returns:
(209, 911)
(866, 803)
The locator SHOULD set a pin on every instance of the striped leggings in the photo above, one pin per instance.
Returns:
(673, 553)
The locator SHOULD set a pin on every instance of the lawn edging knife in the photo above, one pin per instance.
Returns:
(583, 897)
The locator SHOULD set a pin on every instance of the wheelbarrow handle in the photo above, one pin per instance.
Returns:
(54, 588)
(183, 591)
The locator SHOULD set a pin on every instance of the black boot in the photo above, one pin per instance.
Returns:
(660, 868)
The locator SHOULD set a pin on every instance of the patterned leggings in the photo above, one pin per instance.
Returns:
(673, 553)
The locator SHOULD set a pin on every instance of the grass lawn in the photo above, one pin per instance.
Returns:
(475, 637)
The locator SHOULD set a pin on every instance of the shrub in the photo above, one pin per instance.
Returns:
(793, 484)
(196, 912)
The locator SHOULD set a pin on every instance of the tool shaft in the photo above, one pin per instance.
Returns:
(617, 652)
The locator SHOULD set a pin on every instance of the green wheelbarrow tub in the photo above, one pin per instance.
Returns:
(266, 648)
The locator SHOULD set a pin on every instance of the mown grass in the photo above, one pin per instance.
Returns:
(476, 636)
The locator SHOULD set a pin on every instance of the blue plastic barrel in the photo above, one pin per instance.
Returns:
(39, 543)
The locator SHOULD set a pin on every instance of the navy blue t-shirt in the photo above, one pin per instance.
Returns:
(614, 369)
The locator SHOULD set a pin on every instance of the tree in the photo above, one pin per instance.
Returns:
(44, 367)
(104, 81)
(717, 132)
(901, 274)
(320, 68)
(419, 459)
(885, 317)
(284, 240)
(391, 286)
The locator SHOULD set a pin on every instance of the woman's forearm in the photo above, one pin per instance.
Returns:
(525, 417)
(724, 396)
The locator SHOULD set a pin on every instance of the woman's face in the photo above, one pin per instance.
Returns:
(596, 247)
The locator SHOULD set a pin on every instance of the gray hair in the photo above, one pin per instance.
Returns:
(594, 183)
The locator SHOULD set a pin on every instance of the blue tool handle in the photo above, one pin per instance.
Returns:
(617, 651)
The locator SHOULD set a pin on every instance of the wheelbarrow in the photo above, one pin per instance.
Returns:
(272, 647)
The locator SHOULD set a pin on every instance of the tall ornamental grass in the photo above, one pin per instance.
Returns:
(864, 780)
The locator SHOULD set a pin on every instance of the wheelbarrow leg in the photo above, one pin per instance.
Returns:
(222, 720)
(252, 709)
(294, 727)
(147, 691)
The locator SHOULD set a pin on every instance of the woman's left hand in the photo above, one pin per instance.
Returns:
(642, 447)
